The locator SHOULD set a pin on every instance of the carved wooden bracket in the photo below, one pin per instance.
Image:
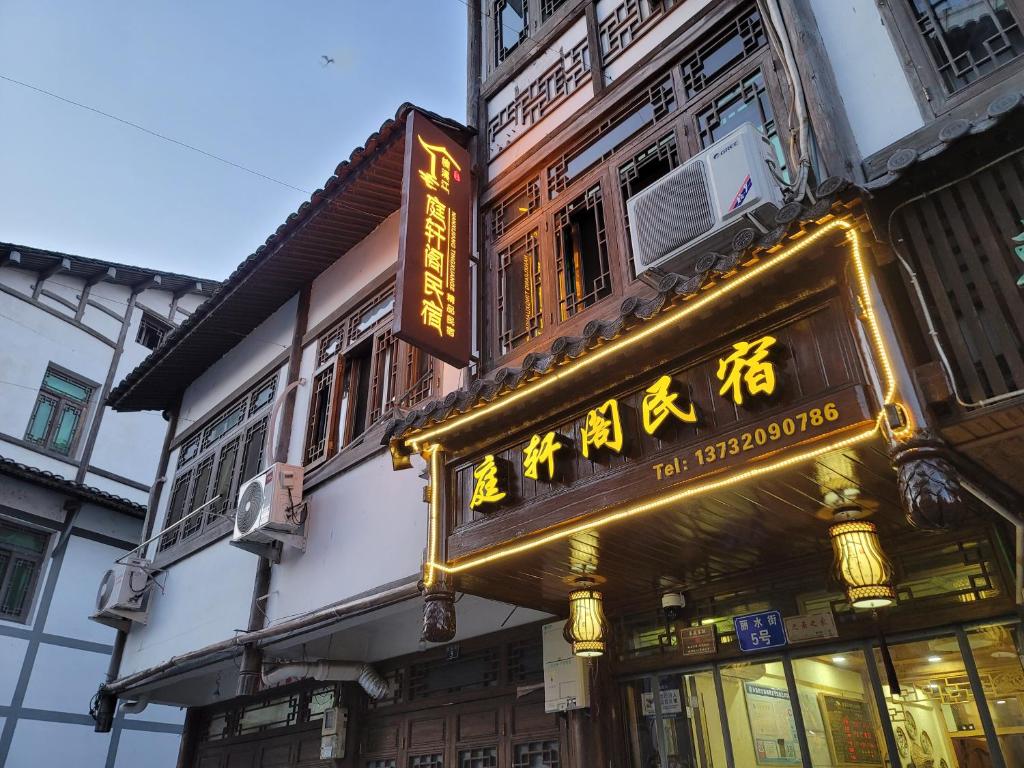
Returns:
(439, 616)
(928, 483)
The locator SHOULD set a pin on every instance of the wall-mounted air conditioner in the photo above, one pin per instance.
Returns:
(124, 592)
(271, 507)
(701, 205)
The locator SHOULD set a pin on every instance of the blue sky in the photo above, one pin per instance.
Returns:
(239, 79)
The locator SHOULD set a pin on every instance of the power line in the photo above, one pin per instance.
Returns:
(153, 133)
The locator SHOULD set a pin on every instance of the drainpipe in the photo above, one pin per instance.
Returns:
(252, 657)
(106, 702)
(367, 677)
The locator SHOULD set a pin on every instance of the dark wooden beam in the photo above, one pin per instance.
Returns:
(62, 265)
(154, 281)
(110, 273)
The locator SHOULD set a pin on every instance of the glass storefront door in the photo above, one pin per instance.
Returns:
(960, 704)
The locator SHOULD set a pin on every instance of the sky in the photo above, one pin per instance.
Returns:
(242, 80)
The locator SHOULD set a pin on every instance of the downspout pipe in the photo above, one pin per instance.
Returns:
(275, 673)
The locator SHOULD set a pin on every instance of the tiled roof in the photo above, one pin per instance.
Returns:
(793, 219)
(931, 143)
(81, 491)
(280, 267)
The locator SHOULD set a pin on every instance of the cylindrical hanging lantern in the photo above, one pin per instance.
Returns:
(587, 625)
(861, 565)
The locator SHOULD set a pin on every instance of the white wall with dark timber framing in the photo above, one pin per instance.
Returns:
(50, 665)
(876, 94)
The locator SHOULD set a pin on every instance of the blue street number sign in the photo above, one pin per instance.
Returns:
(758, 631)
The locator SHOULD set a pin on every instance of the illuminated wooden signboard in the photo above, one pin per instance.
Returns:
(754, 397)
(433, 284)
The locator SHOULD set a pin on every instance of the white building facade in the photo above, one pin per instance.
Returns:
(75, 479)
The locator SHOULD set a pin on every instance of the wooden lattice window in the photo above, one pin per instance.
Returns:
(581, 253)
(470, 671)
(478, 757)
(363, 375)
(548, 7)
(648, 107)
(520, 301)
(57, 418)
(433, 760)
(536, 754)
(515, 207)
(748, 101)
(213, 464)
(21, 562)
(511, 20)
(732, 42)
(967, 40)
(643, 169)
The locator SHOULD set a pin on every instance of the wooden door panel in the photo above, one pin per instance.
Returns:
(478, 724)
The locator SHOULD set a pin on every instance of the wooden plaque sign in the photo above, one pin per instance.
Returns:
(433, 283)
(850, 730)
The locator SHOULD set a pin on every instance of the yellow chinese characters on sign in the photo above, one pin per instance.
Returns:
(747, 370)
(440, 230)
(660, 402)
(541, 453)
(487, 489)
(602, 428)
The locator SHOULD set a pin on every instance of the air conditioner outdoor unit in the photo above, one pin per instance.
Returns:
(701, 205)
(271, 508)
(124, 592)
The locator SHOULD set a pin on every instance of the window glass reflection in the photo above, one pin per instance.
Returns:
(996, 654)
(761, 721)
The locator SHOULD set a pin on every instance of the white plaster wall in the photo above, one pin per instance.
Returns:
(19, 279)
(65, 679)
(39, 744)
(355, 270)
(366, 527)
(27, 497)
(879, 101)
(270, 338)
(85, 562)
(128, 444)
(31, 340)
(648, 44)
(92, 517)
(101, 322)
(152, 750)
(307, 364)
(32, 458)
(204, 600)
(115, 487)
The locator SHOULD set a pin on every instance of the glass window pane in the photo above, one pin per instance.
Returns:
(761, 721)
(996, 654)
(838, 708)
(15, 598)
(66, 387)
(39, 424)
(691, 726)
(478, 757)
(16, 537)
(67, 426)
(642, 726)
(935, 717)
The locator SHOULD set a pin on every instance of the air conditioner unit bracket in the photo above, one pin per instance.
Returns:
(122, 625)
(270, 550)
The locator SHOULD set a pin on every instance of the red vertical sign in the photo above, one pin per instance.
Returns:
(433, 285)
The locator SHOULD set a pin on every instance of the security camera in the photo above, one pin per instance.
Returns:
(673, 603)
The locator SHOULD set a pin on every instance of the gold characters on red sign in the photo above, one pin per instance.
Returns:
(440, 229)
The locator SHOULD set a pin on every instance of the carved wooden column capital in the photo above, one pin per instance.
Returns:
(928, 483)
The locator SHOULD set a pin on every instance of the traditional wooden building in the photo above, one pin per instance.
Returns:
(771, 483)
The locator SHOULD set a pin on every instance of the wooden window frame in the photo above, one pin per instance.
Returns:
(680, 120)
(932, 98)
(188, 480)
(149, 320)
(85, 408)
(391, 384)
(36, 559)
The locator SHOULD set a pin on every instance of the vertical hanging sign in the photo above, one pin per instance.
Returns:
(433, 285)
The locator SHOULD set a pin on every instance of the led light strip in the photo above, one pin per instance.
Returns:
(420, 440)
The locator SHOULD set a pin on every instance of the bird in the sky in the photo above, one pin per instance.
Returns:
(325, 60)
